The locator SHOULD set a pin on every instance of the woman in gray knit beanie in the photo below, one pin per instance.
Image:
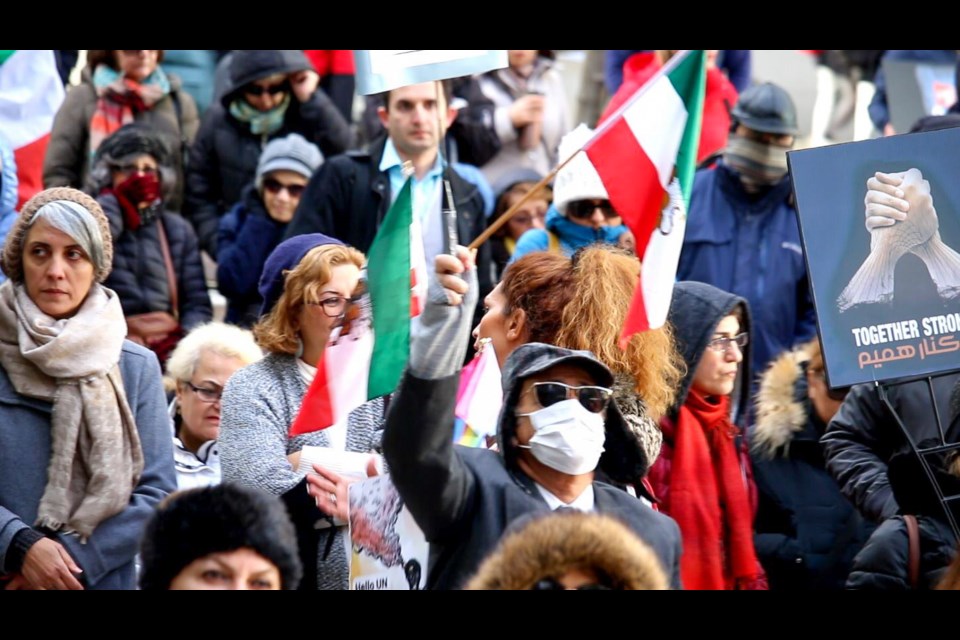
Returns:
(255, 225)
(83, 410)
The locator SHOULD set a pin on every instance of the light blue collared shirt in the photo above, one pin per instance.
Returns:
(424, 190)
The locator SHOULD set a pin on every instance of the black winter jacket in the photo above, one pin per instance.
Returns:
(139, 274)
(224, 156)
(807, 532)
(882, 564)
(870, 457)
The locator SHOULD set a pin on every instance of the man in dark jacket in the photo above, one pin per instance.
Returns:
(556, 429)
(271, 93)
(870, 457)
(742, 232)
(351, 194)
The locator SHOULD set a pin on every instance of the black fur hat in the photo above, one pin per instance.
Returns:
(194, 523)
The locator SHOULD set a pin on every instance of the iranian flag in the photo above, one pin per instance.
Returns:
(30, 95)
(647, 144)
(366, 355)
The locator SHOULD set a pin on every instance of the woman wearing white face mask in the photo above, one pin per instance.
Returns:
(555, 429)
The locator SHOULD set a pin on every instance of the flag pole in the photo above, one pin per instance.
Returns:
(502, 220)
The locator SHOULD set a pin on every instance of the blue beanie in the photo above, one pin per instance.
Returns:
(285, 257)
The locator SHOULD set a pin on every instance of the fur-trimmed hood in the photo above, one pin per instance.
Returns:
(782, 407)
(550, 546)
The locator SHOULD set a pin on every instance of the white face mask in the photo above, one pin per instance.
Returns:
(567, 437)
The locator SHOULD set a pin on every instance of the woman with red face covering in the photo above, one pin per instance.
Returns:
(157, 271)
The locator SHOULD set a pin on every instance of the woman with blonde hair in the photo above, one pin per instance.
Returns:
(648, 372)
(198, 370)
(306, 285)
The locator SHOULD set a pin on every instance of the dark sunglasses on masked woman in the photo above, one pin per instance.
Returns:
(593, 399)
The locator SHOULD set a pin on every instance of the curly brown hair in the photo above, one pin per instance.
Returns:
(593, 320)
(278, 331)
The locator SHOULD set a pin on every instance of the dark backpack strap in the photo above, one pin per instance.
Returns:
(184, 144)
(913, 560)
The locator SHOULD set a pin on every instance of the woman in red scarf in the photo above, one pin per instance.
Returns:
(119, 87)
(702, 476)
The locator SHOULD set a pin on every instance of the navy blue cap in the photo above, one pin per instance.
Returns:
(285, 257)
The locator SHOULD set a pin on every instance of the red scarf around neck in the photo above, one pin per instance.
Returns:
(709, 498)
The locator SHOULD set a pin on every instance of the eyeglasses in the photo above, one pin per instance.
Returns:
(132, 168)
(721, 345)
(206, 395)
(552, 584)
(275, 186)
(526, 219)
(333, 306)
(257, 90)
(593, 399)
(582, 209)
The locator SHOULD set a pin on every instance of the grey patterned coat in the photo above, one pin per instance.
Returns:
(259, 404)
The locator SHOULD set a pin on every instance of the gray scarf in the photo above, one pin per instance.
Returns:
(759, 165)
(95, 459)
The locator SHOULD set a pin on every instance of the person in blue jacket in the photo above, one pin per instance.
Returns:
(581, 213)
(255, 226)
(742, 233)
(9, 183)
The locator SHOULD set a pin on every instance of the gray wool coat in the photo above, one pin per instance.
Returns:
(107, 558)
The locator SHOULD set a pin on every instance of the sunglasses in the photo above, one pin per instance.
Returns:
(552, 584)
(275, 186)
(593, 399)
(582, 209)
(257, 90)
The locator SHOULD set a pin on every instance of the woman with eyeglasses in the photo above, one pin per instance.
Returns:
(581, 213)
(199, 368)
(557, 430)
(157, 272)
(807, 531)
(703, 477)
(270, 94)
(255, 225)
(306, 286)
(117, 88)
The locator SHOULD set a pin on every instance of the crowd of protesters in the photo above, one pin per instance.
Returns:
(145, 431)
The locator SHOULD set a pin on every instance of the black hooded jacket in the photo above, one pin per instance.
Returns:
(224, 156)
